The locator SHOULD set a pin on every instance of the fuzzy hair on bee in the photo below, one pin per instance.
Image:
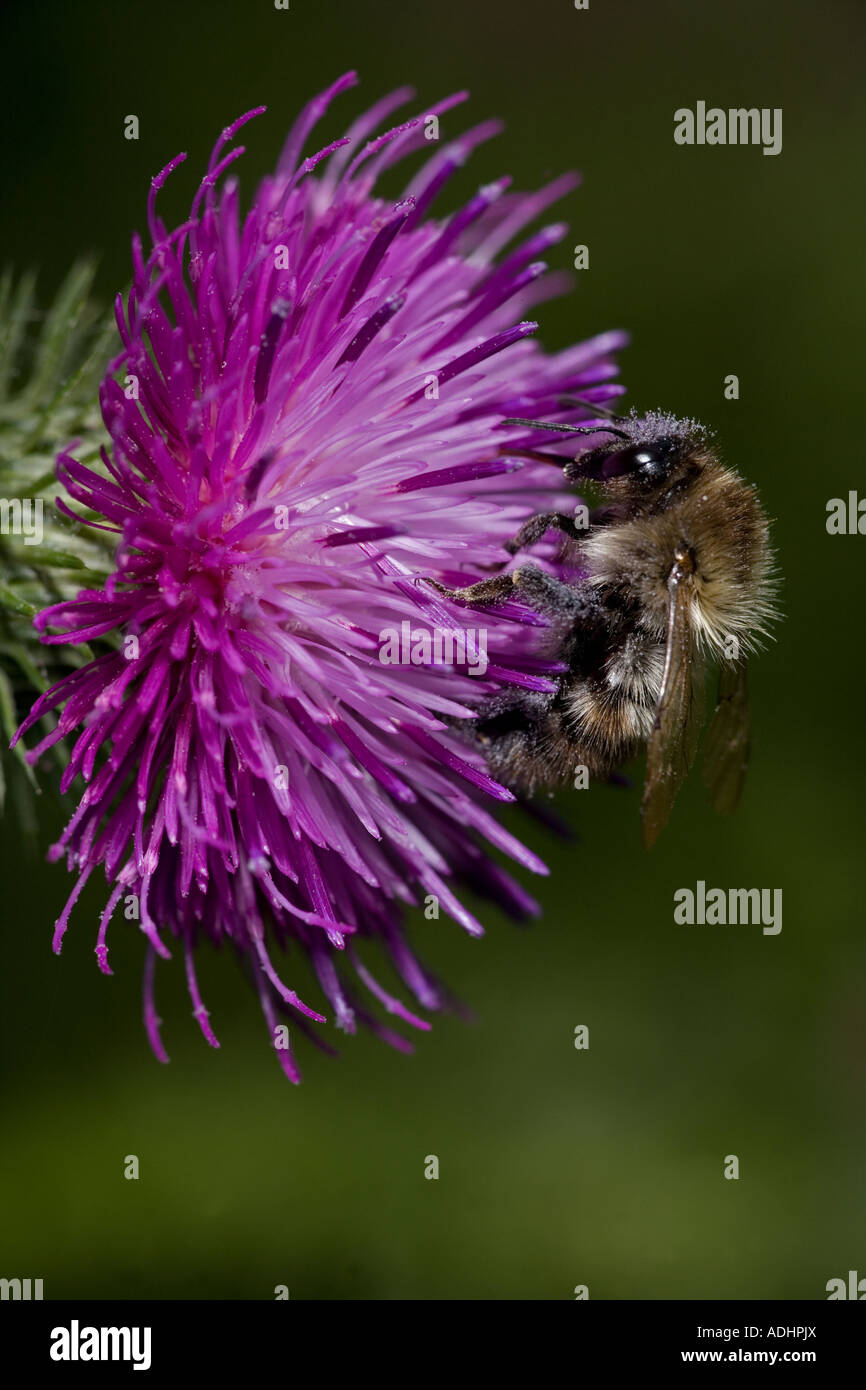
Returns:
(676, 572)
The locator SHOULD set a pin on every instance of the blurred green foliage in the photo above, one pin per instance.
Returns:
(51, 363)
(558, 1167)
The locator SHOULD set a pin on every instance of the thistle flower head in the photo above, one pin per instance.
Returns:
(304, 428)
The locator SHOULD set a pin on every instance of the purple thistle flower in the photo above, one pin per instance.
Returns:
(303, 423)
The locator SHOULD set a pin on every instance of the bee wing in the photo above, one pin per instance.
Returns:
(726, 752)
(672, 742)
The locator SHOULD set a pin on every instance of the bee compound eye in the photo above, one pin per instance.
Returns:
(645, 463)
(648, 462)
(636, 459)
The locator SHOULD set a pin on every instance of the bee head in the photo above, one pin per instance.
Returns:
(647, 454)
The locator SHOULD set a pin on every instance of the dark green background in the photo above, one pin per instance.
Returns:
(558, 1167)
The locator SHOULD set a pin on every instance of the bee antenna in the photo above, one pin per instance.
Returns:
(567, 429)
(591, 405)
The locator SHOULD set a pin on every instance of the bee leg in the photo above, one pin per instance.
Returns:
(541, 591)
(548, 595)
(533, 529)
(493, 590)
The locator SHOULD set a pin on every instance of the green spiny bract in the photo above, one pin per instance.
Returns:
(50, 367)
